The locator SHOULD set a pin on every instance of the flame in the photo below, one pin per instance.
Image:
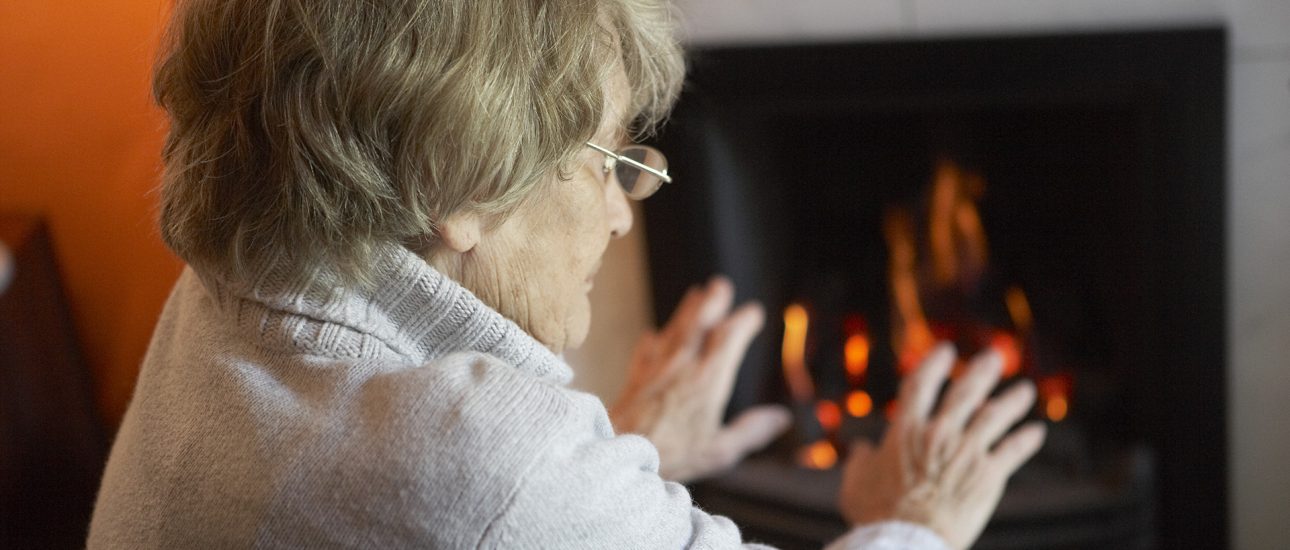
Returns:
(829, 415)
(956, 255)
(1008, 347)
(1056, 408)
(1055, 394)
(818, 456)
(859, 404)
(796, 322)
(910, 327)
(956, 237)
(856, 355)
(1019, 310)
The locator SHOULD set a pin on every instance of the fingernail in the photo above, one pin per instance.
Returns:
(997, 360)
(782, 419)
(944, 349)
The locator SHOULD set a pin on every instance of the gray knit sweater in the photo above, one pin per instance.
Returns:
(289, 413)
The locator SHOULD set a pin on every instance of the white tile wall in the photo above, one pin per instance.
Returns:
(1259, 198)
(1259, 326)
(938, 16)
(745, 21)
(1261, 23)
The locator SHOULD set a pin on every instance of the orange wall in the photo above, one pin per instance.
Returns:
(79, 145)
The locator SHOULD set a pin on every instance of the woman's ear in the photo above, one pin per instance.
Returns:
(461, 231)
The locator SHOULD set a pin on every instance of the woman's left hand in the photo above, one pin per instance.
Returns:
(679, 382)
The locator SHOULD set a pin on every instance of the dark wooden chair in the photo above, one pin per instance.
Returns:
(52, 442)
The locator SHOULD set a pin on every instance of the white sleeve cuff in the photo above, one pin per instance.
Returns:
(889, 535)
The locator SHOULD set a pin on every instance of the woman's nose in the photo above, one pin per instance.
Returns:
(618, 210)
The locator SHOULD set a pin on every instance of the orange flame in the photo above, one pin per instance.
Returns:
(1056, 408)
(1054, 395)
(796, 322)
(1019, 310)
(856, 354)
(911, 330)
(1008, 347)
(859, 404)
(956, 237)
(829, 415)
(818, 456)
(956, 253)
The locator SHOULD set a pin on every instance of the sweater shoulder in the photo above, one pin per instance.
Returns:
(428, 454)
(475, 391)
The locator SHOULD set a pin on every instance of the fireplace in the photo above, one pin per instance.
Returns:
(1057, 197)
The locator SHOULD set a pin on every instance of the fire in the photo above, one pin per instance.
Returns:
(856, 355)
(1007, 346)
(1055, 394)
(1019, 310)
(956, 237)
(937, 265)
(859, 404)
(1056, 408)
(911, 330)
(796, 322)
(818, 456)
(829, 415)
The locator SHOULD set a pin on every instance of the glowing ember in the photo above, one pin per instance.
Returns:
(1007, 346)
(1054, 395)
(796, 322)
(818, 456)
(829, 415)
(1019, 310)
(856, 354)
(859, 404)
(1056, 408)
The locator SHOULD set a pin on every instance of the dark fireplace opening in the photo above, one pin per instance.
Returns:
(1058, 197)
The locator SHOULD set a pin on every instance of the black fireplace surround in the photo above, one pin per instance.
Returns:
(1105, 199)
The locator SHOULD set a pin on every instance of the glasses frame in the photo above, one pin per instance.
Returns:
(616, 158)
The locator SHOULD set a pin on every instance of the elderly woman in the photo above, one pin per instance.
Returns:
(393, 212)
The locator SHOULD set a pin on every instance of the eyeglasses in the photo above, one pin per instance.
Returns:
(640, 169)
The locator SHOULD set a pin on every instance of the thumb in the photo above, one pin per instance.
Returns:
(750, 431)
(860, 452)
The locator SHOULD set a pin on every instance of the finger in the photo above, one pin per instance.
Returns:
(750, 431)
(684, 310)
(726, 346)
(994, 419)
(718, 297)
(707, 308)
(918, 391)
(968, 392)
(1018, 447)
(860, 451)
(648, 370)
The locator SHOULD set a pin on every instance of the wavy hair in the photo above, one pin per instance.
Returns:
(317, 131)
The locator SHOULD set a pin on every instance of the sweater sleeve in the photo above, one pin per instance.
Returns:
(588, 488)
(591, 489)
(889, 535)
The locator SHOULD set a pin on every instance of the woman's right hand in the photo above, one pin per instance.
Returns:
(947, 471)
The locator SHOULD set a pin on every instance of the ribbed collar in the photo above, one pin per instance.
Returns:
(412, 310)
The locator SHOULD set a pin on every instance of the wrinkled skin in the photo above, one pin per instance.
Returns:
(945, 470)
(679, 382)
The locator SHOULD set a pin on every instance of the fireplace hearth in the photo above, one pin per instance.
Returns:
(1058, 197)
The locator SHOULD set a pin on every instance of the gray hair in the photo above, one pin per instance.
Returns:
(319, 130)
